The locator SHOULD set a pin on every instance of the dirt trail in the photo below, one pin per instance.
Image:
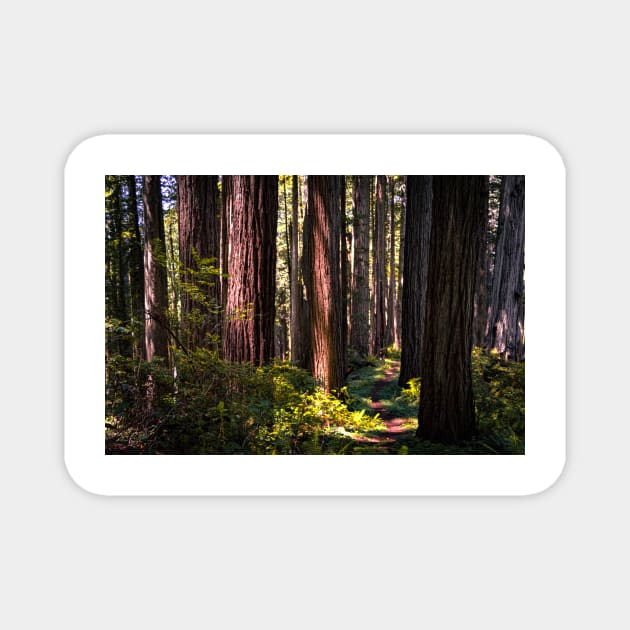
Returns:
(389, 439)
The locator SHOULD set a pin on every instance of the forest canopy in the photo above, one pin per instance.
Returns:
(314, 314)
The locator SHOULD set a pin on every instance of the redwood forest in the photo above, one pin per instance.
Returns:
(314, 314)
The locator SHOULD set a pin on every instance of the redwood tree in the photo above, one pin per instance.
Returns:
(343, 262)
(296, 289)
(155, 289)
(392, 324)
(480, 316)
(377, 325)
(322, 280)
(415, 268)
(505, 314)
(401, 258)
(199, 234)
(136, 267)
(252, 204)
(447, 412)
(360, 294)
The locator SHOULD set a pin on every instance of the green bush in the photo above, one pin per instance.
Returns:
(216, 407)
(499, 390)
(411, 391)
(210, 406)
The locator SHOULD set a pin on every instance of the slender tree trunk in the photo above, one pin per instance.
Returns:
(252, 202)
(322, 280)
(360, 302)
(199, 238)
(114, 286)
(447, 412)
(343, 252)
(506, 311)
(306, 351)
(416, 264)
(401, 258)
(296, 289)
(121, 265)
(391, 285)
(155, 285)
(377, 342)
(136, 268)
(226, 223)
(481, 296)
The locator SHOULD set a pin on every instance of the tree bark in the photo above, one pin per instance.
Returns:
(391, 284)
(506, 312)
(343, 253)
(136, 268)
(377, 326)
(199, 236)
(447, 412)
(360, 296)
(296, 289)
(401, 258)
(415, 269)
(322, 279)
(306, 351)
(480, 317)
(225, 222)
(252, 202)
(155, 287)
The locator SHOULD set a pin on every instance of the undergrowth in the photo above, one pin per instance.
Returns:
(217, 407)
(209, 406)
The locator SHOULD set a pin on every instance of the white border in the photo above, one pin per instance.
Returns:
(269, 154)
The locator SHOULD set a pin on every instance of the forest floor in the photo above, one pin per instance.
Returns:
(374, 417)
(377, 388)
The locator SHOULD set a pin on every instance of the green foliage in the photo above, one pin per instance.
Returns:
(217, 407)
(499, 389)
(411, 391)
(499, 393)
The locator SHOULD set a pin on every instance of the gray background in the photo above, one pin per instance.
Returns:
(73, 70)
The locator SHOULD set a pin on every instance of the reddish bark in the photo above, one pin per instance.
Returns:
(322, 279)
(252, 203)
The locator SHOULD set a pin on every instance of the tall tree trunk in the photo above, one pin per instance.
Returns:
(401, 259)
(415, 268)
(391, 284)
(360, 302)
(115, 302)
(136, 268)
(252, 202)
(508, 286)
(377, 341)
(296, 289)
(447, 412)
(343, 253)
(480, 317)
(121, 264)
(225, 222)
(155, 286)
(306, 351)
(199, 237)
(322, 280)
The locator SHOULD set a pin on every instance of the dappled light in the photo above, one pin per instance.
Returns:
(314, 315)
